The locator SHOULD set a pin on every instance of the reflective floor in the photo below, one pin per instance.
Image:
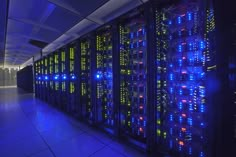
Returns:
(32, 128)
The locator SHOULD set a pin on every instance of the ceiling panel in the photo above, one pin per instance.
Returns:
(62, 19)
(80, 7)
(56, 22)
(113, 9)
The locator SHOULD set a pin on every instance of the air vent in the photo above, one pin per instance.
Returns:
(37, 43)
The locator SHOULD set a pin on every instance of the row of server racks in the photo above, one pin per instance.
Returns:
(150, 77)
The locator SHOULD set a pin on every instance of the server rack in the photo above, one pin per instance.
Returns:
(185, 62)
(176, 71)
(104, 108)
(37, 78)
(72, 101)
(63, 66)
(51, 78)
(86, 77)
(57, 78)
(45, 78)
(134, 85)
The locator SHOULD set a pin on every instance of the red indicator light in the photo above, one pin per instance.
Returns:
(181, 143)
(140, 107)
(183, 129)
(141, 129)
(183, 115)
(140, 96)
(184, 86)
(140, 29)
(184, 57)
(184, 72)
(184, 101)
(141, 118)
(140, 51)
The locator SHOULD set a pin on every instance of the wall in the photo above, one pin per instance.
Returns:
(8, 76)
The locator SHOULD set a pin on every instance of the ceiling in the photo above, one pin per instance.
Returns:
(30, 26)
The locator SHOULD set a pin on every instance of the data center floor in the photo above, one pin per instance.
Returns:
(32, 128)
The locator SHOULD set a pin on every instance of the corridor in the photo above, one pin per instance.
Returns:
(32, 128)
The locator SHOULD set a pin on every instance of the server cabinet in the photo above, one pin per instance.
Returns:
(51, 78)
(63, 66)
(37, 78)
(134, 97)
(103, 76)
(185, 65)
(57, 78)
(45, 79)
(72, 98)
(86, 108)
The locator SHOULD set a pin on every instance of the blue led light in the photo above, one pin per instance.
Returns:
(202, 108)
(180, 105)
(131, 35)
(73, 77)
(171, 90)
(98, 76)
(39, 78)
(180, 92)
(202, 45)
(189, 16)
(180, 119)
(56, 77)
(171, 131)
(201, 154)
(191, 77)
(202, 93)
(202, 124)
(144, 43)
(191, 107)
(190, 33)
(180, 62)
(190, 121)
(143, 31)
(170, 22)
(180, 147)
(180, 48)
(179, 33)
(179, 20)
(189, 150)
(46, 77)
(171, 65)
(171, 117)
(171, 77)
(202, 75)
(190, 46)
(64, 77)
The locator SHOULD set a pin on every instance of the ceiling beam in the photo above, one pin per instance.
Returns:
(65, 6)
